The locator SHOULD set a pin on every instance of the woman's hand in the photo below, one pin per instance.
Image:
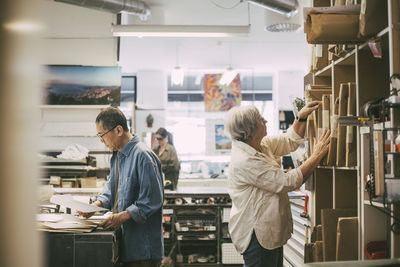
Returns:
(321, 146)
(307, 109)
(320, 149)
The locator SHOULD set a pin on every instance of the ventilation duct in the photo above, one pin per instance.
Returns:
(284, 7)
(133, 7)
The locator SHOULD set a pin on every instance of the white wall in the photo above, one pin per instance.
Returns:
(78, 36)
(75, 36)
(290, 85)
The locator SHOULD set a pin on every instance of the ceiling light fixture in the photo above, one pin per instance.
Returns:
(275, 22)
(177, 74)
(228, 76)
(180, 31)
(230, 73)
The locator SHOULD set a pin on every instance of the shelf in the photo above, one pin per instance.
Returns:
(195, 205)
(387, 176)
(77, 190)
(392, 153)
(375, 203)
(347, 60)
(338, 168)
(203, 264)
(73, 106)
(69, 167)
(325, 72)
(193, 232)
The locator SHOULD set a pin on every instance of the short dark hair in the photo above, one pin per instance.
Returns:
(162, 131)
(112, 117)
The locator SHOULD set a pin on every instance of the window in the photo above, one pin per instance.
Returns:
(187, 119)
(128, 96)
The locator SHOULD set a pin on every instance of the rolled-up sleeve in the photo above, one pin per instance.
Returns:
(150, 197)
(282, 144)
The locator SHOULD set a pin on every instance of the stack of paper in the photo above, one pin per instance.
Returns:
(59, 222)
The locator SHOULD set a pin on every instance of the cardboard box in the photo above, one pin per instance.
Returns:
(69, 184)
(347, 239)
(88, 182)
(319, 57)
(316, 234)
(317, 251)
(334, 133)
(341, 142)
(314, 92)
(308, 252)
(351, 134)
(55, 181)
(373, 17)
(332, 25)
(329, 220)
(379, 164)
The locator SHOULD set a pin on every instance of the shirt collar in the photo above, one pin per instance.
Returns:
(245, 147)
(128, 147)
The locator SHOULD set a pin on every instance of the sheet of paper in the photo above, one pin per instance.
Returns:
(48, 217)
(65, 225)
(69, 202)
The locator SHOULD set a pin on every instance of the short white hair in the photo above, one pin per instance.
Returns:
(242, 122)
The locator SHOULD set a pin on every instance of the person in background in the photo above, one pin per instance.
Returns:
(167, 154)
(260, 220)
(134, 192)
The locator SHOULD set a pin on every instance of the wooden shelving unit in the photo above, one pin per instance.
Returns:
(344, 187)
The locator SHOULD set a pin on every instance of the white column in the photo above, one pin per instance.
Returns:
(19, 95)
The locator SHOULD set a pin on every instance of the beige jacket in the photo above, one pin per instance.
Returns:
(259, 190)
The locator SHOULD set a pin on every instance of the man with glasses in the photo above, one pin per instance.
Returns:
(134, 192)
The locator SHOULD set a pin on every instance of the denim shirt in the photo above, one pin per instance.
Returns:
(141, 193)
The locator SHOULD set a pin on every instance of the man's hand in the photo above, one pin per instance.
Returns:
(115, 220)
(90, 214)
(307, 109)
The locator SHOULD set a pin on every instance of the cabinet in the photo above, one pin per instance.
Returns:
(196, 228)
(96, 249)
(344, 187)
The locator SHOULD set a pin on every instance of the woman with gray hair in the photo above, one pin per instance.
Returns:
(260, 220)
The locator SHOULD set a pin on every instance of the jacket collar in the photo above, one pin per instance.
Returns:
(128, 147)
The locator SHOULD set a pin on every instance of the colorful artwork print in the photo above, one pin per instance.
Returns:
(220, 97)
(82, 85)
(222, 141)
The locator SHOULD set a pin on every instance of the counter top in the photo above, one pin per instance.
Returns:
(212, 190)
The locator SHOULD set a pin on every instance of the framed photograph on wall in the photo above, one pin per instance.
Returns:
(217, 142)
(82, 85)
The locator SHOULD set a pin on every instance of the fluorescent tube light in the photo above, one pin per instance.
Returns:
(180, 30)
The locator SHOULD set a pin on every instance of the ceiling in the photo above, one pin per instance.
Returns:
(261, 51)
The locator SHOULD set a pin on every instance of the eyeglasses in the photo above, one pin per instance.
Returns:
(264, 121)
(160, 138)
(101, 135)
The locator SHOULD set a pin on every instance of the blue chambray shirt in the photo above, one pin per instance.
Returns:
(141, 193)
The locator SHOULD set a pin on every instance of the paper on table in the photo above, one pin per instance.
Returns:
(48, 217)
(69, 202)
